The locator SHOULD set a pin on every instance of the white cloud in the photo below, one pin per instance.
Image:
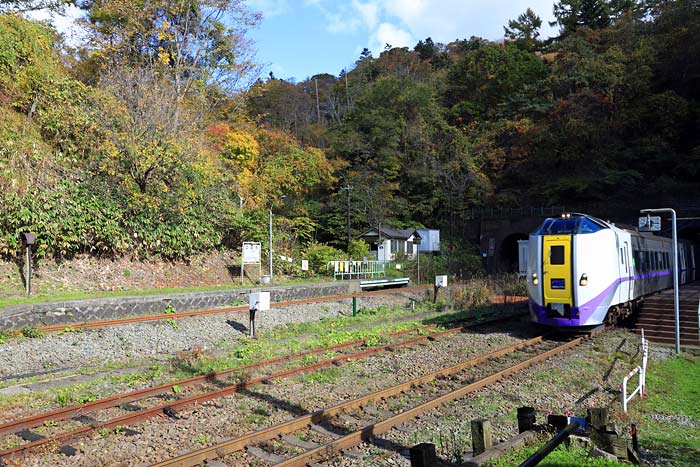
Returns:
(341, 22)
(447, 20)
(348, 18)
(398, 21)
(388, 33)
(368, 11)
(269, 8)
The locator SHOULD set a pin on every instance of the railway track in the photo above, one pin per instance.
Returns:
(161, 399)
(499, 299)
(211, 311)
(325, 433)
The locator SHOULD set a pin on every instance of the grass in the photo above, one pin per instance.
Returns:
(669, 420)
(560, 457)
(324, 375)
(56, 297)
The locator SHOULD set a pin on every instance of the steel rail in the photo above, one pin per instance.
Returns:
(357, 437)
(195, 458)
(132, 396)
(177, 405)
(118, 399)
(211, 311)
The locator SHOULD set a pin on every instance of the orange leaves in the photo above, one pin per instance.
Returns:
(233, 144)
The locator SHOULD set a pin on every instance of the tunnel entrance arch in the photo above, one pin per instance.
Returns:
(509, 251)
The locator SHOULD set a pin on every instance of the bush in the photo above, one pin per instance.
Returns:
(358, 249)
(319, 254)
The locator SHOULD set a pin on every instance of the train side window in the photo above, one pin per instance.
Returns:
(556, 254)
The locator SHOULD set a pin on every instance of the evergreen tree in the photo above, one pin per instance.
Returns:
(524, 30)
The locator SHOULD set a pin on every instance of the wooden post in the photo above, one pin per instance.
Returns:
(423, 455)
(558, 421)
(598, 417)
(526, 418)
(481, 436)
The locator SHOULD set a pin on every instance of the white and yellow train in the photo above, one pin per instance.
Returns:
(583, 271)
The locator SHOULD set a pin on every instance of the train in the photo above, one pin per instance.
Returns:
(583, 272)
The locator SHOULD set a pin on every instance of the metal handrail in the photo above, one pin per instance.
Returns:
(356, 269)
(537, 457)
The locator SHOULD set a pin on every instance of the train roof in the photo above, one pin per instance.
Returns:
(577, 223)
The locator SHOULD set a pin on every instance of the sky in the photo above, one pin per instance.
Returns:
(300, 38)
(297, 39)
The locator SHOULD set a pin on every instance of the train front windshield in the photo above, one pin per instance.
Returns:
(574, 225)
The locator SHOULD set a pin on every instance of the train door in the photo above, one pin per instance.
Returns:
(692, 263)
(682, 269)
(626, 271)
(556, 271)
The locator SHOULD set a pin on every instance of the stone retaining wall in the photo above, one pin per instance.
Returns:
(97, 309)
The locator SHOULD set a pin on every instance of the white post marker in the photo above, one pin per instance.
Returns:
(257, 301)
(654, 226)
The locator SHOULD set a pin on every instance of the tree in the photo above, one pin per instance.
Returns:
(193, 42)
(572, 14)
(145, 124)
(524, 30)
(485, 80)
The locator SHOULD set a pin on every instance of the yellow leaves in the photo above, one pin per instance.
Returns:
(163, 57)
(233, 144)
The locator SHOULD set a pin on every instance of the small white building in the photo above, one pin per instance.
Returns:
(430, 240)
(386, 242)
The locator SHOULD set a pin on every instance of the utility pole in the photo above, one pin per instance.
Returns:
(347, 188)
(318, 107)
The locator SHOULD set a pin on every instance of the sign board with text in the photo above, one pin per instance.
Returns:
(251, 252)
(649, 223)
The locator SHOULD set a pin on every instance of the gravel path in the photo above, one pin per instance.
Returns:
(157, 340)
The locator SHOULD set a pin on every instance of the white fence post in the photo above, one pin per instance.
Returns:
(642, 371)
(626, 399)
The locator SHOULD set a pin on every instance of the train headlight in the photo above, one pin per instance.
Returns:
(535, 280)
(584, 280)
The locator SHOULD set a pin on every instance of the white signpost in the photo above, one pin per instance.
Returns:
(250, 254)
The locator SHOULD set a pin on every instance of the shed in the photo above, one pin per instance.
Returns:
(430, 242)
(385, 242)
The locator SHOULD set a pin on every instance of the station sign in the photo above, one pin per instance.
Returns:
(649, 223)
(251, 252)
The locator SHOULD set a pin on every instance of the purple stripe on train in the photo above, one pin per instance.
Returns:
(585, 311)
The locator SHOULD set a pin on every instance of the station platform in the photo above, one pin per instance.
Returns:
(657, 316)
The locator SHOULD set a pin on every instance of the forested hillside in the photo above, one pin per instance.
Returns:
(154, 138)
